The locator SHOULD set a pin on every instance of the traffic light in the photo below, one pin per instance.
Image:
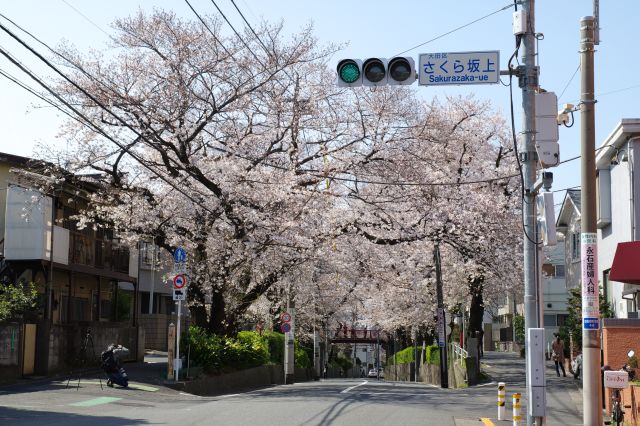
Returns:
(376, 72)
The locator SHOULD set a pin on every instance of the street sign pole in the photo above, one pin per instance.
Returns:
(179, 294)
(177, 360)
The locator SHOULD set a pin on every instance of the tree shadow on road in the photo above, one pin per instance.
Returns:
(17, 416)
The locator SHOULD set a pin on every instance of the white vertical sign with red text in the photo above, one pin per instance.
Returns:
(590, 291)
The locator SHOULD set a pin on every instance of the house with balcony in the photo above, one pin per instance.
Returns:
(86, 277)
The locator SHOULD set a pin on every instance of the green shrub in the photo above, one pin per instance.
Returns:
(246, 350)
(404, 356)
(275, 343)
(432, 355)
(207, 350)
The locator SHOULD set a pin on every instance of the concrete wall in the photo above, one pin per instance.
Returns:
(156, 326)
(66, 340)
(459, 375)
(251, 378)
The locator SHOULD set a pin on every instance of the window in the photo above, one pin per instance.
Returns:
(550, 321)
(559, 272)
(575, 246)
(562, 319)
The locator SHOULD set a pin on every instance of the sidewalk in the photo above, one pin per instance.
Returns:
(563, 394)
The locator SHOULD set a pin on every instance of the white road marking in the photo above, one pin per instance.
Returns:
(353, 387)
(485, 384)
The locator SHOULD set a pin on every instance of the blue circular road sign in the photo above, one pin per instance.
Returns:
(285, 327)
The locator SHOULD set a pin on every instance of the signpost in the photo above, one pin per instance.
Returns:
(437, 69)
(287, 329)
(179, 294)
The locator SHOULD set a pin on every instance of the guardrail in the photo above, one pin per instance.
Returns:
(458, 353)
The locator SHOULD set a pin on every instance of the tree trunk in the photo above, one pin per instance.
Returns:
(476, 310)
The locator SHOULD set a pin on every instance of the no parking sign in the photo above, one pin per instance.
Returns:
(179, 281)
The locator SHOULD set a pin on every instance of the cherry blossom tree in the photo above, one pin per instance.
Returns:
(279, 183)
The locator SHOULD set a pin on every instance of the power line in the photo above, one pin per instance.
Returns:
(264, 46)
(207, 27)
(87, 18)
(92, 125)
(569, 82)
(455, 29)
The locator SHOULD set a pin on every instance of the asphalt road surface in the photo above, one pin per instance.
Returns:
(328, 402)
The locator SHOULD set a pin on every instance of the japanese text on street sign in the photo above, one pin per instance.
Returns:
(459, 68)
(179, 294)
(442, 333)
(590, 304)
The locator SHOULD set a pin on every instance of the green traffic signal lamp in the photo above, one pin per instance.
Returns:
(349, 73)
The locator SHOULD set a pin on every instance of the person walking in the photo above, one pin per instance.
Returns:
(557, 354)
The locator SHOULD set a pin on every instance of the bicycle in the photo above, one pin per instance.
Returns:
(615, 382)
(81, 360)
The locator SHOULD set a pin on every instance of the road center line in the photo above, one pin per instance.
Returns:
(487, 421)
(353, 387)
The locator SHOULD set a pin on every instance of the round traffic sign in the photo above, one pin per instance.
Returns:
(179, 281)
(285, 317)
(285, 327)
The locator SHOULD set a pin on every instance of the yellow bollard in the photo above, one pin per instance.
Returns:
(516, 409)
(502, 394)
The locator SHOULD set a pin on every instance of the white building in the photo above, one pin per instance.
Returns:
(618, 187)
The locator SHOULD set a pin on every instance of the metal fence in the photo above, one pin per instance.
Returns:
(458, 353)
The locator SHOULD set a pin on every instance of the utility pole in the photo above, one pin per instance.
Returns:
(528, 82)
(442, 326)
(592, 396)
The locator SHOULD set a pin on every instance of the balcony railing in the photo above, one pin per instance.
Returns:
(98, 253)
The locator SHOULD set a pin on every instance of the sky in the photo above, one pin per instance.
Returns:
(367, 29)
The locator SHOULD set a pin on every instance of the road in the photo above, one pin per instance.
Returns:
(328, 402)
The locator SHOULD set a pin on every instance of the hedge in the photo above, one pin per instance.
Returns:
(406, 356)
(248, 349)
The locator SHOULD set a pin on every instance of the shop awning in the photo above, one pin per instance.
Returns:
(626, 263)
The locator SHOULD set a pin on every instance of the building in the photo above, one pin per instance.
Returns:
(554, 289)
(157, 307)
(86, 276)
(568, 225)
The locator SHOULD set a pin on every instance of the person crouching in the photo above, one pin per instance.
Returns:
(112, 366)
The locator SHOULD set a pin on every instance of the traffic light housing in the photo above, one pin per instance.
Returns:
(349, 73)
(401, 71)
(397, 71)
